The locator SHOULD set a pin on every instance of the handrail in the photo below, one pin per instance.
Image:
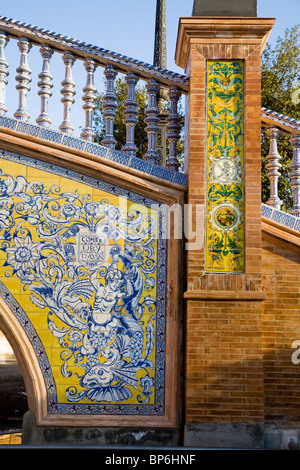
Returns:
(287, 124)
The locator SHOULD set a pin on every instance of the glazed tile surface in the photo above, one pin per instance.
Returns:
(83, 268)
(225, 169)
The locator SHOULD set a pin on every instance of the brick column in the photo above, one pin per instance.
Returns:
(224, 376)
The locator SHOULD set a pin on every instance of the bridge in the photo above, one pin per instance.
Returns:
(143, 296)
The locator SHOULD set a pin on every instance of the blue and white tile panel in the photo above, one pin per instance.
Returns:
(95, 149)
(282, 218)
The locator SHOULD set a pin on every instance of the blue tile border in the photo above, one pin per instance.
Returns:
(95, 149)
(281, 217)
(8, 122)
(141, 165)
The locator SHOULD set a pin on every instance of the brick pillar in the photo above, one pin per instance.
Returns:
(224, 372)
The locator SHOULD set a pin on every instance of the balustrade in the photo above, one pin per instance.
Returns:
(276, 124)
(152, 121)
(131, 113)
(89, 99)
(273, 166)
(173, 128)
(162, 122)
(155, 79)
(295, 175)
(68, 92)
(110, 105)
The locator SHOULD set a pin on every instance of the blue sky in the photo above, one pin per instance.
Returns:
(123, 26)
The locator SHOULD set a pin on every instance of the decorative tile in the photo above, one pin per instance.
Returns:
(283, 218)
(141, 165)
(8, 122)
(266, 211)
(118, 157)
(53, 136)
(162, 172)
(280, 217)
(280, 119)
(225, 167)
(90, 287)
(96, 149)
(73, 142)
(28, 128)
(180, 178)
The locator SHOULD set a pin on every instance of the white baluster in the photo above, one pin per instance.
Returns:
(89, 98)
(68, 92)
(152, 121)
(45, 86)
(110, 105)
(295, 175)
(131, 114)
(23, 78)
(3, 72)
(173, 128)
(273, 166)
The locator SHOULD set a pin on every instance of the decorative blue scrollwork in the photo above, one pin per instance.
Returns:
(91, 266)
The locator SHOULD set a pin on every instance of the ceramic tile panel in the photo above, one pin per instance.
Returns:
(225, 167)
(83, 269)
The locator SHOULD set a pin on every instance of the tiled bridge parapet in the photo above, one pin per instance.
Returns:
(89, 286)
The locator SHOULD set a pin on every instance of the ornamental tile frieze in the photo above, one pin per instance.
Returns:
(225, 167)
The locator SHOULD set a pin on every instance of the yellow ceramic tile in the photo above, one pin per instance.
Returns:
(46, 338)
(225, 167)
(12, 284)
(69, 185)
(13, 169)
(28, 304)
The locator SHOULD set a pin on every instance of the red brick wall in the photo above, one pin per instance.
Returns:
(224, 379)
(281, 327)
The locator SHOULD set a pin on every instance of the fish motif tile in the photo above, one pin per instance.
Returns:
(83, 267)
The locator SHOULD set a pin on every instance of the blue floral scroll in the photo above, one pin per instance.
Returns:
(98, 272)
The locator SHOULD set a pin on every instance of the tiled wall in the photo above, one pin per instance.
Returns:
(83, 268)
(225, 167)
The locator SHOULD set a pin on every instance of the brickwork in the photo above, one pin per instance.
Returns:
(224, 355)
(224, 362)
(281, 327)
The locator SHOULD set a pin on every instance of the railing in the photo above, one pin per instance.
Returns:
(275, 124)
(158, 80)
(49, 43)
